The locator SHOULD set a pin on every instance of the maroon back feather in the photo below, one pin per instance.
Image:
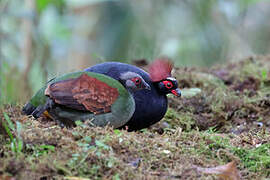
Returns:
(160, 69)
(83, 93)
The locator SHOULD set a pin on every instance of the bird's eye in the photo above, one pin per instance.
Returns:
(136, 80)
(168, 84)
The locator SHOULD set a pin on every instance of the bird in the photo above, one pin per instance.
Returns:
(150, 106)
(87, 96)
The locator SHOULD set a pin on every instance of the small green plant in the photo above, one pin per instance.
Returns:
(117, 132)
(101, 145)
(16, 143)
(43, 149)
(264, 74)
(211, 130)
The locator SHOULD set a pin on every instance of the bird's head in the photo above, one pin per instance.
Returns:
(160, 74)
(133, 81)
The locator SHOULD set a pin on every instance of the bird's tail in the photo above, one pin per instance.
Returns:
(29, 109)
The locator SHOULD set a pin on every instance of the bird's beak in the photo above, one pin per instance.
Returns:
(176, 92)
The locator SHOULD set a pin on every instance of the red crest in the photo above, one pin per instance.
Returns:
(160, 69)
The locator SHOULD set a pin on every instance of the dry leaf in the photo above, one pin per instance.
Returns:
(226, 172)
(3, 177)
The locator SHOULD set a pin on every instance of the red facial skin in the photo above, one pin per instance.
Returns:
(137, 81)
(161, 69)
(169, 85)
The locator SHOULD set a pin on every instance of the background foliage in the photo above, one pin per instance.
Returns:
(43, 38)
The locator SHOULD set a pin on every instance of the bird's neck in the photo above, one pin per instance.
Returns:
(159, 90)
(130, 90)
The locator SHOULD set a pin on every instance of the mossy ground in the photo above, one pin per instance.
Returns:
(228, 121)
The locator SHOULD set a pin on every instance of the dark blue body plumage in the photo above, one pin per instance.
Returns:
(151, 106)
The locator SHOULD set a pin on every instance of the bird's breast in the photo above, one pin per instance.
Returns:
(150, 105)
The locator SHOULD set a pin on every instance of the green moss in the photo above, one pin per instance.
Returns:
(183, 120)
(255, 159)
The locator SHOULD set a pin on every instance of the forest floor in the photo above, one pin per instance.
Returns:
(221, 132)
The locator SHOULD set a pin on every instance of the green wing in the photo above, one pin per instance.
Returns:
(121, 111)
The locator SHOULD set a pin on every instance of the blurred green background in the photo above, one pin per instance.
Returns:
(40, 39)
